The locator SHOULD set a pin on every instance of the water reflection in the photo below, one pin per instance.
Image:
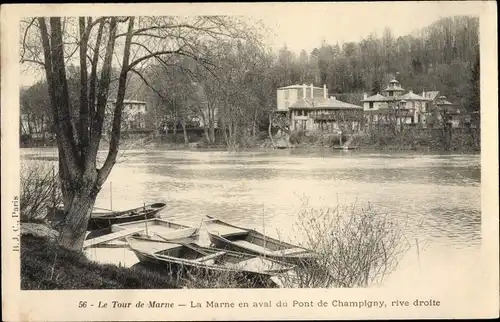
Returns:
(437, 197)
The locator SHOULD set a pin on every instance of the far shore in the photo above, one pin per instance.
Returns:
(222, 148)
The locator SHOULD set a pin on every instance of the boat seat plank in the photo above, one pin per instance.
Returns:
(211, 256)
(267, 251)
(110, 237)
(171, 234)
(257, 264)
(251, 246)
(289, 251)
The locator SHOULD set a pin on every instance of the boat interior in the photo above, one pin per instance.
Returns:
(250, 239)
(232, 260)
(158, 205)
(157, 226)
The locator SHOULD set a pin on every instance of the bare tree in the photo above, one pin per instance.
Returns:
(242, 89)
(128, 43)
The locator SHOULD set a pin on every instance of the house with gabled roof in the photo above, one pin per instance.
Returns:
(396, 108)
(443, 111)
(310, 108)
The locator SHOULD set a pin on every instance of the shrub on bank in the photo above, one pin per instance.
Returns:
(438, 139)
(355, 246)
(39, 191)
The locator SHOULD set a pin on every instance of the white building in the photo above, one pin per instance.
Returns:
(309, 108)
(394, 106)
(133, 114)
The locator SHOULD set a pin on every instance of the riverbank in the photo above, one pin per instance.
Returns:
(45, 266)
(456, 141)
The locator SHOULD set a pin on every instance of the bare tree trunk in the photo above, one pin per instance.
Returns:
(224, 130)
(212, 133)
(43, 129)
(64, 180)
(174, 128)
(211, 113)
(254, 124)
(30, 127)
(205, 131)
(82, 202)
(184, 130)
(235, 134)
(270, 127)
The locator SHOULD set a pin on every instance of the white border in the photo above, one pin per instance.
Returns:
(480, 299)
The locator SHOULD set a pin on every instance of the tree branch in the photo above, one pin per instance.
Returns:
(84, 102)
(32, 61)
(24, 38)
(117, 117)
(149, 85)
(102, 98)
(155, 54)
(56, 80)
(93, 75)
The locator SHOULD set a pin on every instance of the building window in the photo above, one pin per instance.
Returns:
(305, 113)
(390, 93)
(371, 104)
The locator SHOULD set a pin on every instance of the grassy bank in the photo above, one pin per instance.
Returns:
(45, 266)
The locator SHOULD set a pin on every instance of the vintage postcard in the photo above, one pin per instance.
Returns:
(249, 161)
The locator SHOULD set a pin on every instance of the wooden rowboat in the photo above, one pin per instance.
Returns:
(100, 220)
(202, 261)
(159, 229)
(150, 229)
(226, 236)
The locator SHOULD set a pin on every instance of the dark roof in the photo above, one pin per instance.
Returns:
(394, 86)
(394, 89)
(322, 103)
(443, 101)
(376, 98)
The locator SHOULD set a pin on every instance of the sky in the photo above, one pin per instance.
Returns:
(306, 25)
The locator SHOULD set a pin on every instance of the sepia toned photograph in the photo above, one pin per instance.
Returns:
(333, 147)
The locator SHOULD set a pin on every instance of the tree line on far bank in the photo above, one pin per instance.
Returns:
(240, 92)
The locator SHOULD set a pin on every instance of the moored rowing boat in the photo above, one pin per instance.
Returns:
(227, 236)
(100, 220)
(196, 259)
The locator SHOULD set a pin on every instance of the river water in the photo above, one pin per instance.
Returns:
(435, 196)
